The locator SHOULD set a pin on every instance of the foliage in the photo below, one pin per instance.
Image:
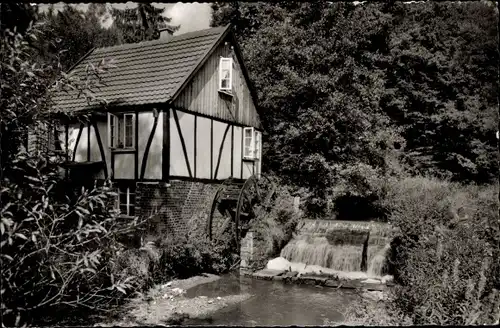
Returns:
(140, 23)
(27, 87)
(277, 225)
(17, 15)
(185, 256)
(381, 89)
(368, 313)
(442, 86)
(445, 256)
(70, 33)
(56, 240)
(56, 245)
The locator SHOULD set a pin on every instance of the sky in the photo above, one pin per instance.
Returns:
(190, 16)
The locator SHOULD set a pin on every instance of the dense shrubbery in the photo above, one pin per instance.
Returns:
(446, 258)
(186, 256)
(57, 241)
(278, 225)
(418, 78)
(368, 313)
(274, 227)
(57, 244)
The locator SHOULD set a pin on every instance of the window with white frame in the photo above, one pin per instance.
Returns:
(121, 130)
(225, 74)
(248, 143)
(252, 144)
(126, 200)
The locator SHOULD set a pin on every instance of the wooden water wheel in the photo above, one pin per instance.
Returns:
(240, 204)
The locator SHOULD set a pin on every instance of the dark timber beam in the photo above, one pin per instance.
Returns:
(136, 142)
(166, 144)
(195, 143)
(148, 145)
(220, 151)
(101, 148)
(77, 140)
(177, 124)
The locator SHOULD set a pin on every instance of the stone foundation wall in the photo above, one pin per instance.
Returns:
(252, 252)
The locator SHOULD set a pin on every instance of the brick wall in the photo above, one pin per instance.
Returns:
(181, 207)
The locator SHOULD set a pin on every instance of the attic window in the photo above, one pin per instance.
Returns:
(225, 74)
(121, 131)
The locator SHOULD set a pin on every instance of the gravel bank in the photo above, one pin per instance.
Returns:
(166, 304)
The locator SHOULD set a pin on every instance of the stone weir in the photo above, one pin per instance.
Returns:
(335, 253)
(344, 246)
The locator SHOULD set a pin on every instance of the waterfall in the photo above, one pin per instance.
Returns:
(377, 261)
(341, 246)
(319, 251)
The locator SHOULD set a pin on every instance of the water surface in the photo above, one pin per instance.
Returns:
(274, 303)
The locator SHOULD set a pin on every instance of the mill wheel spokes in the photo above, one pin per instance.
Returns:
(239, 204)
(217, 205)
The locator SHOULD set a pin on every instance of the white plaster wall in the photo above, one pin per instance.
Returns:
(218, 134)
(155, 157)
(177, 162)
(247, 169)
(237, 155)
(186, 123)
(81, 147)
(124, 166)
(203, 148)
(102, 125)
(95, 152)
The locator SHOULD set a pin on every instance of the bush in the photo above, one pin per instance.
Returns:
(185, 256)
(57, 244)
(444, 259)
(369, 313)
(276, 226)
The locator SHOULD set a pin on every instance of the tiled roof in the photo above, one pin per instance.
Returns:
(146, 72)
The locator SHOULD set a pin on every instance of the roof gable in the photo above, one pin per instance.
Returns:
(147, 72)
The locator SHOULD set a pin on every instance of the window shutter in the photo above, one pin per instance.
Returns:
(258, 144)
(230, 64)
(111, 130)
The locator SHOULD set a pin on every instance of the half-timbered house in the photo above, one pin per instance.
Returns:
(181, 117)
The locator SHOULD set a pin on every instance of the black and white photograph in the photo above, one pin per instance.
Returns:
(249, 163)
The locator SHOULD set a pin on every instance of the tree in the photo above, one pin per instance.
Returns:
(139, 23)
(442, 86)
(18, 15)
(351, 93)
(319, 94)
(75, 32)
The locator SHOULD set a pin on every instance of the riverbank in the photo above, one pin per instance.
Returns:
(167, 304)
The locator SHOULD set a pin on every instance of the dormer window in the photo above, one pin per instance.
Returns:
(225, 74)
(121, 131)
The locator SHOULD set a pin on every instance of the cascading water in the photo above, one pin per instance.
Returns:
(377, 262)
(356, 249)
(318, 251)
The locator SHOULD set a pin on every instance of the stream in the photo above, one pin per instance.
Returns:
(274, 303)
(347, 249)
